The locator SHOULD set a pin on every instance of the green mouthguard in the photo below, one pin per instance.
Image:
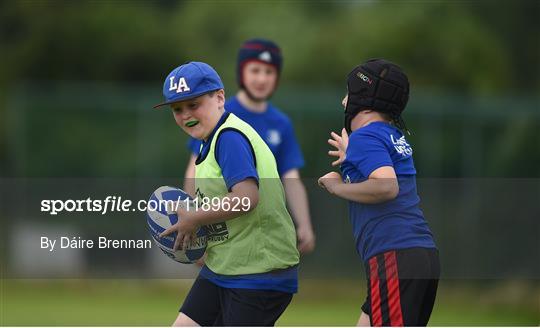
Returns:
(192, 123)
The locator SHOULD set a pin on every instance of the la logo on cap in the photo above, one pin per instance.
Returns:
(265, 56)
(181, 86)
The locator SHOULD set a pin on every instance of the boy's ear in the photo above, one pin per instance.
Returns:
(221, 96)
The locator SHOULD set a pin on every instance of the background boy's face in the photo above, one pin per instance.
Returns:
(259, 79)
(198, 116)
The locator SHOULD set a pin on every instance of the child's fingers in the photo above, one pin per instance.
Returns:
(178, 241)
(186, 242)
(337, 162)
(335, 136)
(334, 153)
(188, 239)
(333, 143)
(167, 231)
(344, 137)
(339, 142)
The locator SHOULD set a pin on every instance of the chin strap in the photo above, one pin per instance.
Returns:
(348, 121)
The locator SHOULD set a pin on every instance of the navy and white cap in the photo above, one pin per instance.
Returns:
(188, 81)
(259, 50)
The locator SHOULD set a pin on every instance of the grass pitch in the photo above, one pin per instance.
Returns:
(319, 303)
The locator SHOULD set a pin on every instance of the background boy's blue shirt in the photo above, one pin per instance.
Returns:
(395, 224)
(276, 130)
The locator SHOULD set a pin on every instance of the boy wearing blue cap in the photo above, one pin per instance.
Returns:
(378, 178)
(258, 69)
(250, 272)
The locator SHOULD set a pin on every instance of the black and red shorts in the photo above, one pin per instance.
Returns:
(402, 286)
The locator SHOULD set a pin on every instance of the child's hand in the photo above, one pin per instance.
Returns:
(329, 181)
(186, 229)
(306, 239)
(340, 143)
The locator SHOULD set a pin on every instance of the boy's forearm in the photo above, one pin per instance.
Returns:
(189, 176)
(241, 200)
(298, 204)
(202, 217)
(371, 191)
(297, 201)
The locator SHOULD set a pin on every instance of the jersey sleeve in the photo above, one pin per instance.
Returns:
(289, 155)
(194, 145)
(235, 157)
(367, 153)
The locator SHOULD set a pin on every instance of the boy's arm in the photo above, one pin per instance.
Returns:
(190, 221)
(235, 157)
(381, 186)
(245, 190)
(289, 160)
(194, 146)
(189, 176)
(297, 202)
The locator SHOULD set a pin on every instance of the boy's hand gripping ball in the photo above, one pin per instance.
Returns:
(161, 214)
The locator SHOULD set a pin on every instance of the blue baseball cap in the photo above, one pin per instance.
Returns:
(188, 81)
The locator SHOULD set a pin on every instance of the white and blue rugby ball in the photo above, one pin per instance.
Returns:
(160, 217)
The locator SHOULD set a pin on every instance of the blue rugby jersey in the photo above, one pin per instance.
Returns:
(395, 224)
(233, 154)
(276, 130)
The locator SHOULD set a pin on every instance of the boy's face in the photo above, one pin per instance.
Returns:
(198, 116)
(259, 79)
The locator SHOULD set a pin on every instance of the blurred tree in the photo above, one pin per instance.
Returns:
(472, 46)
(517, 25)
(453, 52)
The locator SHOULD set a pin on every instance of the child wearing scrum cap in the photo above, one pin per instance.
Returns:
(378, 178)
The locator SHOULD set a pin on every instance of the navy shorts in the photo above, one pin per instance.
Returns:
(211, 305)
(402, 286)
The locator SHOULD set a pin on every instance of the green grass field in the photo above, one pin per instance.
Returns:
(319, 303)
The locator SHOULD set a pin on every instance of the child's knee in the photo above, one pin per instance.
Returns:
(363, 321)
(184, 321)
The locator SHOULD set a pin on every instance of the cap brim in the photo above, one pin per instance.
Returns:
(184, 99)
(165, 103)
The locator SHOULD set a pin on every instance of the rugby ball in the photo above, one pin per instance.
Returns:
(161, 214)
